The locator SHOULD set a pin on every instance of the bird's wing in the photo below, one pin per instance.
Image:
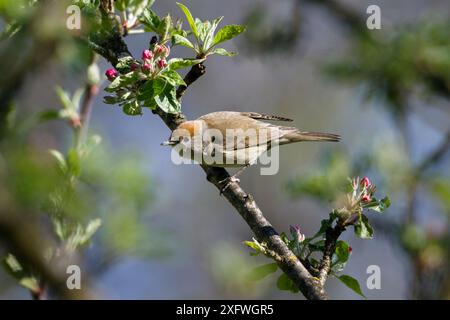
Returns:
(246, 125)
(261, 116)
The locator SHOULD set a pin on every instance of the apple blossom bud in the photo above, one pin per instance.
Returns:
(75, 122)
(162, 63)
(134, 66)
(366, 198)
(365, 182)
(295, 231)
(147, 67)
(111, 74)
(350, 249)
(162, 50)
(147, 55)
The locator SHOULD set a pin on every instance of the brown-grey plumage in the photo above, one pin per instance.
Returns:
(244, 150)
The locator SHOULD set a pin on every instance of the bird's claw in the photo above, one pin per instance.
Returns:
(227, 182)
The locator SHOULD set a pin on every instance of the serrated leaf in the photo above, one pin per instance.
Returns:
(178, 39)
(132, 108)
(189, 18)
(284, 283)
(227, 33)
(351, 283)
(178, 63)
(362, 228)
(342, 251)
(261, 272)
(164, 27)
(173, 78)
(150, 20)
(222, 52)
(378, 206)
(210, 30)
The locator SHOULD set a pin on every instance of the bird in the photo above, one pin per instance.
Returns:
(236, 139)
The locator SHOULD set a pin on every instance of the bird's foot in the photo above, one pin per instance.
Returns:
(227, 182)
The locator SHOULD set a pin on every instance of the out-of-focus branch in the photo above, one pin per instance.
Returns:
(347, 16)
(238, 198)
(29, 244)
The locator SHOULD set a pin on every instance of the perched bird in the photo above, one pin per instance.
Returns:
(235, 139)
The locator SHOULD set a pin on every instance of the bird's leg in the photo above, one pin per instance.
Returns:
(228, 181)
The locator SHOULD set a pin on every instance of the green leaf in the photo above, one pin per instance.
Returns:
(255, 246)
(64, 98)
(189, 18)
(164, 27)
(284, 283)
(210, 29)
(73, 162)
(173, 78)
(261, 272)
(378, 206)
(342, 251)
(81, 236)
(111, 100)
(122, 81)
(132, 108)
(150, 20)
(227, 33)
(351, 283)
(178, 39)
(317, 246)
(15, 269)
(178, 63)
(124, 63)
(48, 115)
(222, 52)
(362, 228)
(168, 103)
(60, 159)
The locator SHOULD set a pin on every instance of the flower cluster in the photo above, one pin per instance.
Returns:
(363, 189)
(155, 60)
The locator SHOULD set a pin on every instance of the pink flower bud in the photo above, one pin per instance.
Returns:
(295, 231)
(366, 198)
(75, 122)
(147, 67)
(350, 249)
(111, 74)
(365, 182)
(162, 63)
(134, 66)
(147, 54)
(162, 50)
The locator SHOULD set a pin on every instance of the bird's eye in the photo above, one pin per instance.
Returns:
(180, 139)
(213, 138)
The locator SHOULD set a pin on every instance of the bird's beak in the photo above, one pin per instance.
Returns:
(169, 143)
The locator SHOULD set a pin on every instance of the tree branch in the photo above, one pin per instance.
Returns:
(331, 237)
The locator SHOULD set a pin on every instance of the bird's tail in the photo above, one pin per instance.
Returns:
(311, 136)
